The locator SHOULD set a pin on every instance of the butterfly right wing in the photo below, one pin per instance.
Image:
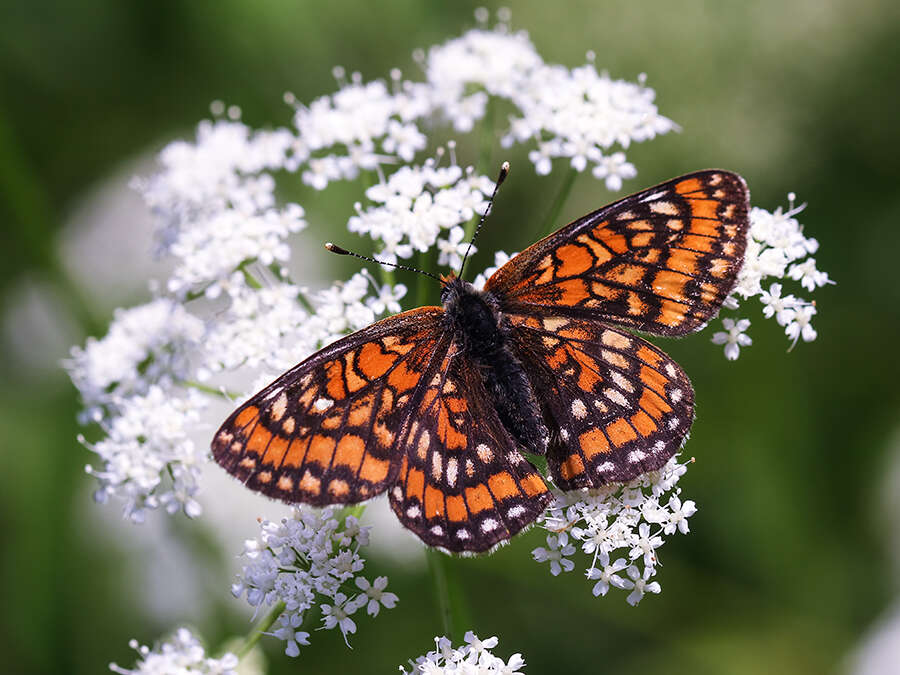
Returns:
(327, 431)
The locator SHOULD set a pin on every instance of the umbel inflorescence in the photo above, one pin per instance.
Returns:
(230, 316)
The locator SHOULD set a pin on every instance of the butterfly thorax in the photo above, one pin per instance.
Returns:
(480, 333)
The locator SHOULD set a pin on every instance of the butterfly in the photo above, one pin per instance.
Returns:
(438, 406)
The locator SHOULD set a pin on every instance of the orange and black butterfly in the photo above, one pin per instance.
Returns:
(437, 405)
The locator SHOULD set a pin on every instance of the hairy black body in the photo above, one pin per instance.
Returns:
(482, 332)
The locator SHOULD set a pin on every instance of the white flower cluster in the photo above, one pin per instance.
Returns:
(128, 384)
(148, 344)
(776, 248)
(148, 458)
(309, 559)
(182, 654)
(632, 518)
(578, 114)
(472, 658)
(419, 203)
(215, 204)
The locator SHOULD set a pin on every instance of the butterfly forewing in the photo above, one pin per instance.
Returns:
(619, 406)
(462, 484)
(326, 431)
(661, 261)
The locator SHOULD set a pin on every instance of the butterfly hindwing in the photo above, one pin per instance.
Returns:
(661, 261)
(462, 485)
(325, 432)
(619, 406)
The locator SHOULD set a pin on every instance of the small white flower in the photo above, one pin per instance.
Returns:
(640, 584)
(376, 594)
(678, 515)
(799, 325)
(775, 305)
(614, 169)
(643, 544)
(808, 276)
(607, 574)
(734, 338)
(558, 547)
(338, 615)
(452, 249)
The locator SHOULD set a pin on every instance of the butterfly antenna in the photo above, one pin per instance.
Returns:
(342, 251)
(504, 172)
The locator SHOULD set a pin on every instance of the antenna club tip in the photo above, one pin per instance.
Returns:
(336, 249)
(504, 172)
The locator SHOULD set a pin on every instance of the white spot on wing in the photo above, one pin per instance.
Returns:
(676, 395)
(616, 397)
(579, 410)
(674, 422)
(279, 407)
(653, 196)
(516, 511)
(489, 525)
(670, 370)
(606, 467)
(323, 404)
(452, 471)
(622, 382)
(437, 530)
(636, 456)
(462, 534)
(413, 511)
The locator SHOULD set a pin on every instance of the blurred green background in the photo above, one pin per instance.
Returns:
(792, 563)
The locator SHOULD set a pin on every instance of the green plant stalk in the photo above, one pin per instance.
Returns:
(261, 627)
(564, 191)
(422, 282)
(206, 389)
(437, 567)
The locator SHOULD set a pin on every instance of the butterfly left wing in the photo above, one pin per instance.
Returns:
(462, 485)
(616, 405)
(327, 431)
(661, 261)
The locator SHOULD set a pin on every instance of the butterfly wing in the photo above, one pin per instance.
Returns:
(617, 405)
(462, 485)
(661, 261)
(327, 431)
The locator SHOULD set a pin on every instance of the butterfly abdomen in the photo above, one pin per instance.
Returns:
(481, 333)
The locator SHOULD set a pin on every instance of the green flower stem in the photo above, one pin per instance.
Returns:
(251, 280)
(422, 282)
(437, 563)
(206, 389)
(262, 626)
(386, 275)
(355, 510)
(564, 190)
